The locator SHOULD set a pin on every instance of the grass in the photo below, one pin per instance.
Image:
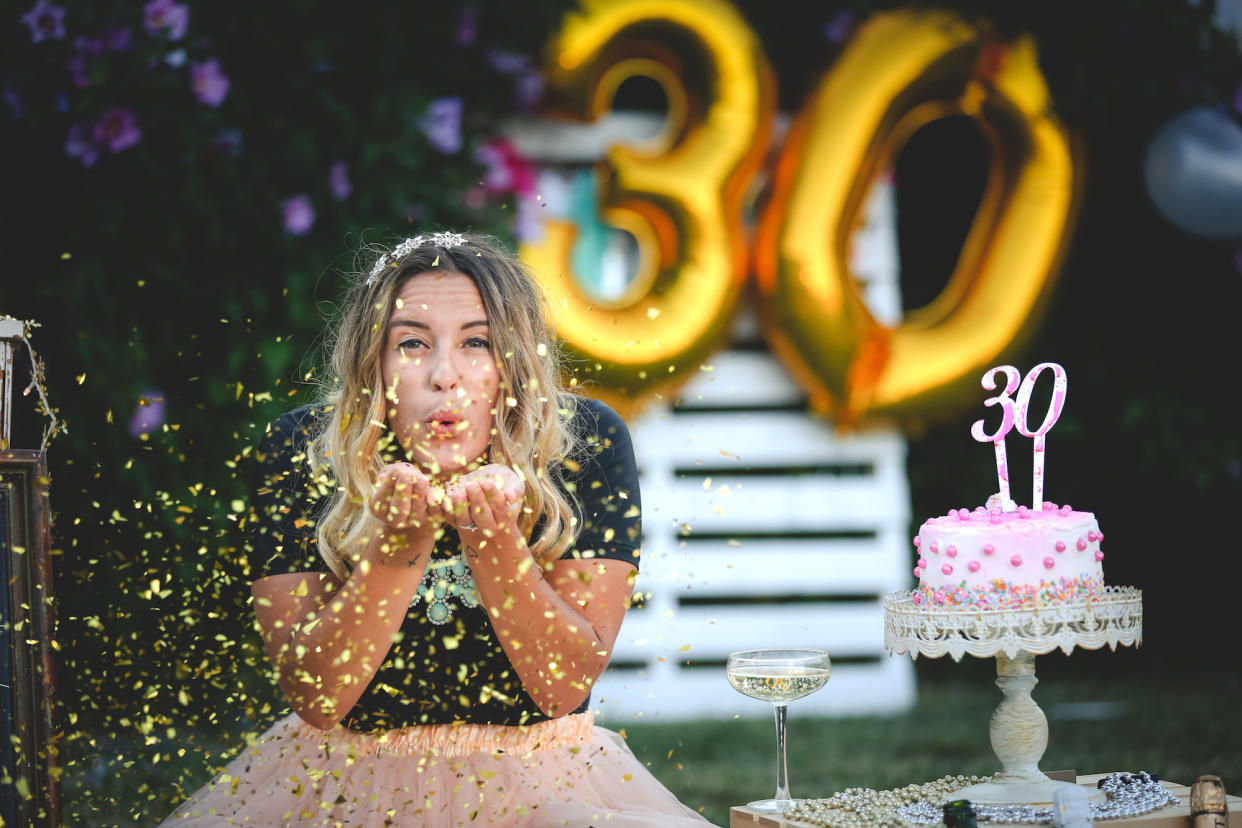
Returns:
(1179, 726)
(1175, 723)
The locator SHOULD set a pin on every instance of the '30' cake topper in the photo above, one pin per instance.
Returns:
(1014, 413)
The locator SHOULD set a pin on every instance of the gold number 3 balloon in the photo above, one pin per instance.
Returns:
(899, 72)
(681, 199)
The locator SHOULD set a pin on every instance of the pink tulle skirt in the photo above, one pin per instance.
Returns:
(562, 772)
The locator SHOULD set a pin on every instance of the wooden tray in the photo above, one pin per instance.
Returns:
(1172, 817)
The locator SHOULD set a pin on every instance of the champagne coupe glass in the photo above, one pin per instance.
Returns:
(778, 676)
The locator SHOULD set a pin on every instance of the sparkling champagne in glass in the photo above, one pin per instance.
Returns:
(779, 677)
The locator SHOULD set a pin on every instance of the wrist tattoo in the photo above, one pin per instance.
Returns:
(472, 552)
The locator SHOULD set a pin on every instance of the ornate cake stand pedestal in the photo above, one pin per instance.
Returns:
(1019, 729)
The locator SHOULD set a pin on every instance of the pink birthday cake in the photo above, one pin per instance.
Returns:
(1003, 556)
(993, 559)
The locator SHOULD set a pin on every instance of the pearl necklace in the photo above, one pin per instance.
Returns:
(868, 808)
(1129, 795)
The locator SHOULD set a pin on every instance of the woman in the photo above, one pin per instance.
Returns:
(438, 617)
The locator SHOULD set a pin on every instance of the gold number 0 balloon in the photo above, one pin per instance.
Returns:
(900, 71)
(680, 200)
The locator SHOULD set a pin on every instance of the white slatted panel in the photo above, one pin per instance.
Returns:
(793, 542)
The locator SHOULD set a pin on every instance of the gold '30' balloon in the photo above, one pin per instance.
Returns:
(901, 71)
(680, 197)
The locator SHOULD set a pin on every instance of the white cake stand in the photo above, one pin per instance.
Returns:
(1019, 729)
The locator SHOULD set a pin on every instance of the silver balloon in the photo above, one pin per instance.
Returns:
(1193, 172)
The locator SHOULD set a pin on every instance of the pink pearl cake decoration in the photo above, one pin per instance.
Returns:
(1035, 557)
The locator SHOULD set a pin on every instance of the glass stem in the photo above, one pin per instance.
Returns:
(782, 769)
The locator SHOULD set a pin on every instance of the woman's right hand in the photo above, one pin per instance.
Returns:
(403, 501)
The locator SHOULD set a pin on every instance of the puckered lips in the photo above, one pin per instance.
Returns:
(443, 424)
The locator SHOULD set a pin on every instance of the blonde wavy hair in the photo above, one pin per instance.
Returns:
(530, 429)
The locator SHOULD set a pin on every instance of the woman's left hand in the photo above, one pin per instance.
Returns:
(487, 500)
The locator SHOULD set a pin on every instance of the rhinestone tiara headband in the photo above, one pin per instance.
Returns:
(447, 240)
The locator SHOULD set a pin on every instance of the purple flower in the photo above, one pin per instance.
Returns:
(81, 144)
(467, 26)
(148, 414)
(45, 21)
(527, 221)
(1237, 261)
(116, 39)
(1237, 99)
(338, 181)
(441, 123)
(88, 45)
(839, 27)
(528, 89)
(210, 85)
(299, 215)
(228, 141)
(164, 15)
(86, 49)
(14, 101)
(117, 129)
(77, 70)
(527, 80)
(508, 63)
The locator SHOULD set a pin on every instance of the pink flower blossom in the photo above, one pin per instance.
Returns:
(338, 181)
(117, 129)
(80, 143)
(46, 22)
(299, 215)
(210, 85)
(165, 15)
(441, 123)
(504, 169)
(475, 198)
